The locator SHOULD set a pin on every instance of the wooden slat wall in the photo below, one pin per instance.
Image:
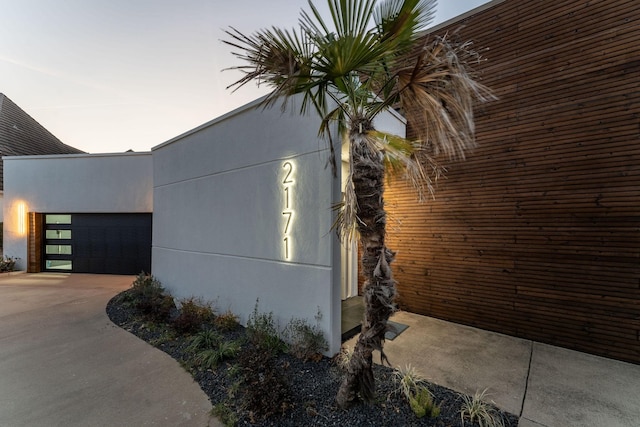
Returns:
(537, 233)
(34, 243)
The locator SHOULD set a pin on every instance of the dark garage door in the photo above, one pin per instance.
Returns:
(110, 243)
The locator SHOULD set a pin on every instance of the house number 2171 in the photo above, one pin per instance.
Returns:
(287, 212)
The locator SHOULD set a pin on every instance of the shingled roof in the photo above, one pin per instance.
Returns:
(21, 135)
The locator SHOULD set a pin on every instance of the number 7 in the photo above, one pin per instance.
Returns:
(289, 215)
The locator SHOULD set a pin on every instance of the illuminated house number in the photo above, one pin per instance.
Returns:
(287, 212)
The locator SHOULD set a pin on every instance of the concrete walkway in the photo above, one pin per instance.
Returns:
(545, 386)
(63, 363)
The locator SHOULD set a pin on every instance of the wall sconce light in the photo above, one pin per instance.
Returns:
(22, 218)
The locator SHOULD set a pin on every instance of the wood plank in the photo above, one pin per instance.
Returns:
(537, 233)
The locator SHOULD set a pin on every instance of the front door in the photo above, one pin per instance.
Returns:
(58, 253)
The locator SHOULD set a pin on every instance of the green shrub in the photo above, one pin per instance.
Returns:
(150, 298)
(305, 341)
(422, 404)
(413, 387)
(211, 358)
(210, 348)
(192, 315)
(263, 332)
(204, 340)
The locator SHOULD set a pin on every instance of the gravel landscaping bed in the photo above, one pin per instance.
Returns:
(311, 386)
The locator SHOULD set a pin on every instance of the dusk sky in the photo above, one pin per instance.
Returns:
(112, 75)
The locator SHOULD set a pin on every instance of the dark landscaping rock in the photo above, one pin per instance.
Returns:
(313, 385)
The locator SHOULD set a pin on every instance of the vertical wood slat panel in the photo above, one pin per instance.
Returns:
(537, 233)
(34, 243)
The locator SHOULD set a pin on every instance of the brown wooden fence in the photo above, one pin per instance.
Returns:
(537, 233)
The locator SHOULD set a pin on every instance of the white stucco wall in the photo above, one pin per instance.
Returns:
(391, 122)
(218, 219)
(77, 183)
(218, 227)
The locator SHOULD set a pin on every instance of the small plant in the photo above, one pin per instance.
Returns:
(225, 414)
(204, 340)
(421, 403)
(193, 313)
(163, 338)
(414, 388)
(475, 409)
(8, 264)
(305, 341)
(210, 349)
(227, 321)
(150, 298)
(265, 389)
(343, 358)
(234, 389)
(211, 357)
(263, 332)
(234, 371)
(408, 381)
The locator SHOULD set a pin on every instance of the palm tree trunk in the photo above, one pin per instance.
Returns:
(379, 286)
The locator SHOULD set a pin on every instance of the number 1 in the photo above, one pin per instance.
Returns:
(286, 247)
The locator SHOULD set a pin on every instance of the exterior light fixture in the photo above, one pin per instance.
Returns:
(22, 218)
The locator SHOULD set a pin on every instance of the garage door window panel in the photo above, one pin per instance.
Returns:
(58, 248)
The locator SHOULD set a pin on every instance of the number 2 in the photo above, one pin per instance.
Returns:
(289, 166)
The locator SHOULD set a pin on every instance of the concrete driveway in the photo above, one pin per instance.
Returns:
(63, 363)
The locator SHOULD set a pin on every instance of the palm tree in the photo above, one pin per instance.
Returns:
(371, 58)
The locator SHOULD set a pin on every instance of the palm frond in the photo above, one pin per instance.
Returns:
(404, 18)
(409, 158)
(438, 92)
(283, 60)
(351, 17)
(338, 116)
(350, 69)
(346, 221)
(271, 56)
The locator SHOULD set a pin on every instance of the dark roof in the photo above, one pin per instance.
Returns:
(21, 135)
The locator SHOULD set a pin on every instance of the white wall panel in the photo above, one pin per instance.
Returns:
(82, 183)
(219, 226)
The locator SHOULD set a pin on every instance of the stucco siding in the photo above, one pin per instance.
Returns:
(219, 227)
(109, 183)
